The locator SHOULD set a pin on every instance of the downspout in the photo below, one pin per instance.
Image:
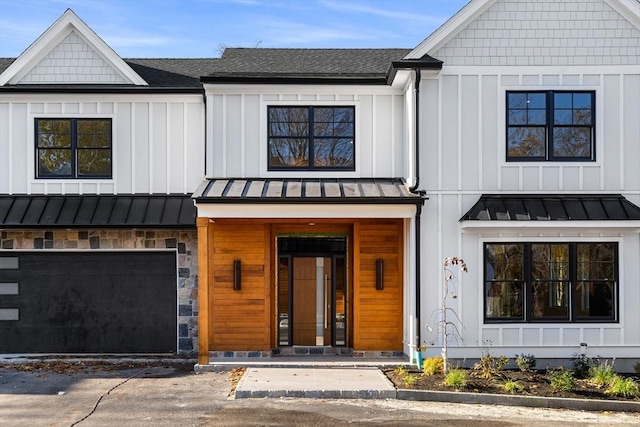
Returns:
(414, 189)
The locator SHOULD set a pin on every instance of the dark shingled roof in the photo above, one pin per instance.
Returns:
(159, 73)
(72, 211)
(306, 190)
(553, 207)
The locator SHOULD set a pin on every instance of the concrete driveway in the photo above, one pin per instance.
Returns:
(169, 394)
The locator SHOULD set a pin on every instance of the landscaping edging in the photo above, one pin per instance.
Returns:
(509, 400)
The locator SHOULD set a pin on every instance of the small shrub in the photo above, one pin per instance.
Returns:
(456, 378)
(625, 387)
(526, 362)
(405, 376)
(490, 366)
(512, 387)
(582, 363)
(562, 380)
(432, 366)
(601, 375)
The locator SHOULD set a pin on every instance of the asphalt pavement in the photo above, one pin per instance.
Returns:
(172, 394)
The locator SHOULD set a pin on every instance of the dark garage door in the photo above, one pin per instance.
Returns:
(87, 302)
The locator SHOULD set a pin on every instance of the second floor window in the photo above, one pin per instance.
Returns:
(311, 138)
(73, 148)
(550, 126)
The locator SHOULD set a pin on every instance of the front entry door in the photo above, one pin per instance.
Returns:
(311, 296)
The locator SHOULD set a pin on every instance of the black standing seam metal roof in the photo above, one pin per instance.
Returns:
(552, 207)
(306, 190)
(110, 211)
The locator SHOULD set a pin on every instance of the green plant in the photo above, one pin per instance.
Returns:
(432, 366)
(456, 378)
(490, 366)
(582, 363)
(601, 375)
(626, 387)
(512, 387)
(405, 376)
(526, 362)
(562, 380)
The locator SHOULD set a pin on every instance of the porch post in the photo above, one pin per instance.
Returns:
(203, 290)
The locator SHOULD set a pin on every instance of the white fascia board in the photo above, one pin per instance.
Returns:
(475, 225)
(60, 29)
(629, 9)
(449, 29)
(311, 211)
(275, 89)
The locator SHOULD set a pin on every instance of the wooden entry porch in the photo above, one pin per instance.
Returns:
(245, 319)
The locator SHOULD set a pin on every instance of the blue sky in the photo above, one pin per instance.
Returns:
(199, 28)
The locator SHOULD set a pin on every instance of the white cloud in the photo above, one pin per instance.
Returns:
(385, 13)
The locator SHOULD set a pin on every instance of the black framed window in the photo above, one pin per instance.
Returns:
(551, 126)
(311, 138)
(551, 282)
(73, 148)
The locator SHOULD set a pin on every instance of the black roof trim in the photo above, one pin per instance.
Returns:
(552, 207)
(92, 211)
(306, 191)
(99, 89)
(424, 63)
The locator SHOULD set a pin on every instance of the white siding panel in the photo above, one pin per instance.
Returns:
(612, 336)
(470, 133)
(364, 148)
(159, 148)
(488, 119)
(591, 177)
(429, 144)
(631, 131)
(510, 178)
(551, 336)
(233, 140)
(551, 178)
(141, 147)
(450, 122)
(194, 141)
(218, 135)
(611, 164)
(20, 162)
(510, 336)
(123, 150)
(176, 148)
(399, 144)
(531, 336)
(252, 132)
(591, 336)
(89, 107)
(571, 178)
(5, 149)
(571, 337)
(383, 142)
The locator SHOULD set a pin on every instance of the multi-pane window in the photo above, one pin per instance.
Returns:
(311, 138)
(550, 126)
(551, 282)
(73, 148)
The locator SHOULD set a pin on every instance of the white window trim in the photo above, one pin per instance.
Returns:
(31, 148)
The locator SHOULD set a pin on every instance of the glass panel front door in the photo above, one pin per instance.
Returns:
(312, 297)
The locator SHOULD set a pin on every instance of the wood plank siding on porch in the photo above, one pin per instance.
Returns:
(246, 319)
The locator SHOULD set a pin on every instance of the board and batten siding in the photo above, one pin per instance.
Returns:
(463, 155)
(237, 127)
(158, 142)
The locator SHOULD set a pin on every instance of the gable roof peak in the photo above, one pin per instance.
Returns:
(66, 24)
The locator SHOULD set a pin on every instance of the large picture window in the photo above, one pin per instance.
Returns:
(311, 138)
(551, 282)
(73, 148)
(550, 126)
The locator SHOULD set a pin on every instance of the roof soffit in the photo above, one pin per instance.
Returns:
(449, 29)
(58, 31)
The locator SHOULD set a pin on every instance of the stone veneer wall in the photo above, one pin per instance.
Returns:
(184, 241)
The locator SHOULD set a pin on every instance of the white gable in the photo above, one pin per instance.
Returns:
(69, 52)
(542, 32)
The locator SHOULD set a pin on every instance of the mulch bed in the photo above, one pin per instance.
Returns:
(534, 384)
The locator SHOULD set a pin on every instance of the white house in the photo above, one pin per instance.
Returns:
(98, 158)
(330, 184)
